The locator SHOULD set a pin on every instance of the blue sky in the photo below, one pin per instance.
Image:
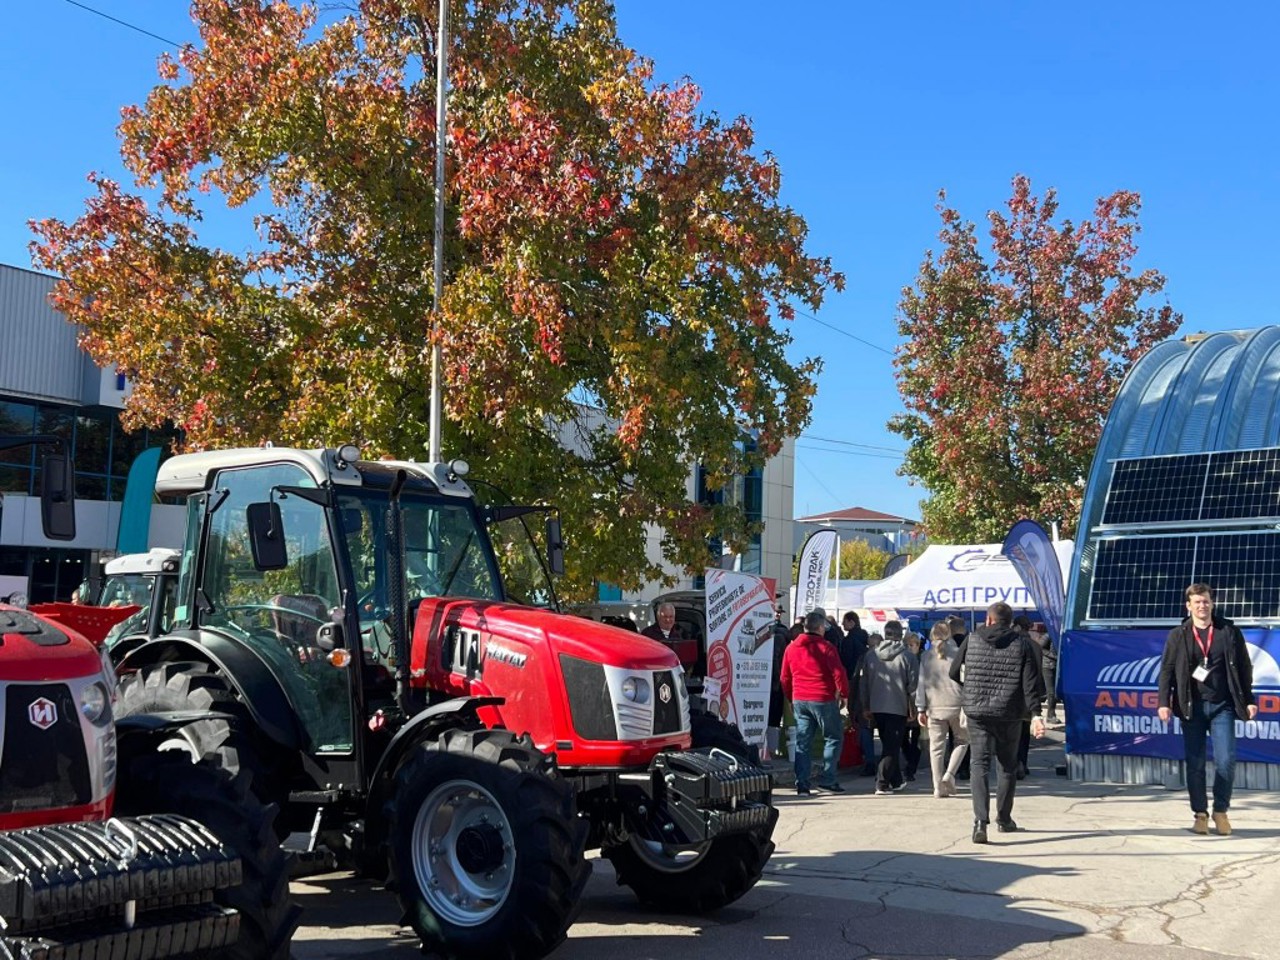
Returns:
(871, 109)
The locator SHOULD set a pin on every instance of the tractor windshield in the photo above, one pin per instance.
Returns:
(447, 552)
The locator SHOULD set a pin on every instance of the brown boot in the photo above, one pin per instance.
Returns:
(1221, 824)
(1201, 825)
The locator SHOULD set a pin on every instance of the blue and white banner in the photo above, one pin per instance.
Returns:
(1108, 681)
(1032, 554)
(814, 571)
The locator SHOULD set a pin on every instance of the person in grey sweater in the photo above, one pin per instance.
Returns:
(938, 704)
(887, 686)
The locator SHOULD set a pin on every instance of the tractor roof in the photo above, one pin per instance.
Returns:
(190, 473)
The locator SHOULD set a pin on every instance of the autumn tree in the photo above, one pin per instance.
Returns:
(619, 264)
(1009, 368)
(859, 560)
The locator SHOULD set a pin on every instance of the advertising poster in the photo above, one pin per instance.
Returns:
(814, 570)
(1109, 690)
(739, 650)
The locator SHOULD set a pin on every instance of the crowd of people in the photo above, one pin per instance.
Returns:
(981, 696)
(958, 688)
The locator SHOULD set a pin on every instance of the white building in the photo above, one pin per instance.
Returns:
(48, 385)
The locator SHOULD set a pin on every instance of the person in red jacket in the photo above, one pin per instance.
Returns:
(813, 679)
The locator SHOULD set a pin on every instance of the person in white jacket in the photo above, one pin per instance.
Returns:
(938, 703)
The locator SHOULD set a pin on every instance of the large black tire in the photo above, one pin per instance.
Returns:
(168, 782)
(486, 849)
(707, 876)
(188, 686)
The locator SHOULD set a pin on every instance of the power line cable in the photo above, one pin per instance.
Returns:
(850, 443)
(850, 453)
(818, 480)
(845, 333)
(124, 23)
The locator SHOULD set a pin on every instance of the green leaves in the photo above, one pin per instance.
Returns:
(1009, 367)
(616, 261)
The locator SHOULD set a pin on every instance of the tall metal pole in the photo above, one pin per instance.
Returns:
(442, 90)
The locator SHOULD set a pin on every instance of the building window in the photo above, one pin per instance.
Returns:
(103, 452)
(17, 420)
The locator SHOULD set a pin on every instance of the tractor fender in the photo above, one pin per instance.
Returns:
(254, 683)
(425, 725)
(147, 727)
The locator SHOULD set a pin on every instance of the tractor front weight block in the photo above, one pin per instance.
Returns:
(699, 795)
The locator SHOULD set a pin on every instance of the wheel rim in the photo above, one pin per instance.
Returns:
(668, 858)
(463, 853)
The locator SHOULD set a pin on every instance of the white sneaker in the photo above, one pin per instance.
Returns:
(882, 793)
(947, 785)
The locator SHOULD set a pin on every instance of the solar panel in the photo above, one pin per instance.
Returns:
(1156, 489)
(1243, 485)
(1197, 487)
(1141, 578)
(1244, 571)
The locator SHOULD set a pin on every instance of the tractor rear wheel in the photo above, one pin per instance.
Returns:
(486, 850)
(168, 782)
(194, 686)
(698, 878)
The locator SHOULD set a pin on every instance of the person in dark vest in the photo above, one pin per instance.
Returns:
(1002, 684)
(1207, 677)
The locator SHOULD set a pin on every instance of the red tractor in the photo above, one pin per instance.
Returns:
(345, 627)
(192, 870)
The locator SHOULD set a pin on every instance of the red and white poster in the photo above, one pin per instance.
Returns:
(740, 650)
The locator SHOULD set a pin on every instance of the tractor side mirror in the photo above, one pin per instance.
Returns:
(58, 497)
(555, 546)
(266, 536)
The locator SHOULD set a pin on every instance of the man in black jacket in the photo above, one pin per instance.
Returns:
(1002, 685)
(1206, 675)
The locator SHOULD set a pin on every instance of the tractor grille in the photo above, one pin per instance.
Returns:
(43, 761)
(666, 713)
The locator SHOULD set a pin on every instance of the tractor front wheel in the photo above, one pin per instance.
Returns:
(486, 851)
(698, 878)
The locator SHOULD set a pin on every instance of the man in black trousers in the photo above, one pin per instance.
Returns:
(1003, 684)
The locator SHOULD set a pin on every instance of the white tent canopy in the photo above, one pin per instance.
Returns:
(954, 578)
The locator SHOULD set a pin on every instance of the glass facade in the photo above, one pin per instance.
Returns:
(100, 447)
(102, 452)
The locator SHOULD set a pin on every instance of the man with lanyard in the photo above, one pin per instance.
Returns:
(1206, 676)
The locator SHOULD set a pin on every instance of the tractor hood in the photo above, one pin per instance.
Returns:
(33, 649)
(565, 633)
(595, 695)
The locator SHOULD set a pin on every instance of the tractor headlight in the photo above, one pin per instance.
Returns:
(95, 704)
(636, 689)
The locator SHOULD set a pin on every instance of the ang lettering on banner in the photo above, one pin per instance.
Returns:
(1109, 690)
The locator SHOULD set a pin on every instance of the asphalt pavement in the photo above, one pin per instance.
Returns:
(1098, 870)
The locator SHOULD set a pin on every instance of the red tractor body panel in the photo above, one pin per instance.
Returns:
(55, 766)
(482, 648)
(23, 661)
(92, 623)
